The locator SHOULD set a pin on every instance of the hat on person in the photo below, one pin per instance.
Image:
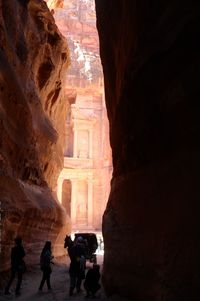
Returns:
(80, 239)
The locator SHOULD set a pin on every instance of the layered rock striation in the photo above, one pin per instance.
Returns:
(150, 55)
(33, 55)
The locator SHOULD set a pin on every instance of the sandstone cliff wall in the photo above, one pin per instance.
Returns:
(52, 4)
(33, 55)
(150, 54)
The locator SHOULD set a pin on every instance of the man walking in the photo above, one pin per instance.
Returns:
(17, 265)
(77, 265)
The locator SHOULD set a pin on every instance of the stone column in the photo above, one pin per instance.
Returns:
(59, 189)
(90, 143)
(90, 203)
(75, 143)
(73, 201)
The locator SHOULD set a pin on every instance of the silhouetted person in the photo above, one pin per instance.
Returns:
(45, 265)
(17, 265)
(77, 265)
(91, 283)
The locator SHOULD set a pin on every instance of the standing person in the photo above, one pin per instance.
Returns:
(17, 265)
(45, 265)
(91, 283)
(77, 265)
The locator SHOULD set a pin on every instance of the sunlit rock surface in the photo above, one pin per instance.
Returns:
(150, 53)
(33, 55)
(84, 183)
(77, 22)
(52, 4)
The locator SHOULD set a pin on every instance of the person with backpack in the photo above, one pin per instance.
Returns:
(77, 265)
(17, 266)
(45, 265)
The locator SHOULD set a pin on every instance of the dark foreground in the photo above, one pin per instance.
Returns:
(60, 285)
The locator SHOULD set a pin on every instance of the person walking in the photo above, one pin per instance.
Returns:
(17, 266)
(45, 265)
(77, 265)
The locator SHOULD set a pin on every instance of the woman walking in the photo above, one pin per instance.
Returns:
(45, 265)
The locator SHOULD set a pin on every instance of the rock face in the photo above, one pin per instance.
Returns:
(150, 54)
(52, 4)
(33, 55)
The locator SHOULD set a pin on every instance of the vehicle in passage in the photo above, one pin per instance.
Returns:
(91, 245)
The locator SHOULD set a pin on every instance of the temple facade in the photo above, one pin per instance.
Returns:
(84, 183)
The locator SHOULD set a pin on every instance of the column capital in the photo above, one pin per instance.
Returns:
(60, 180)
(90, 179)
(74, 180)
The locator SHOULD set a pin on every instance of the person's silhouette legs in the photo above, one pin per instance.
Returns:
(12, 277)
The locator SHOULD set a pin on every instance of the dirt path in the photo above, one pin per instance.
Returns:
(59, 281)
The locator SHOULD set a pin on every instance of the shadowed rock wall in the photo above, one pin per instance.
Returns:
(32, 118)
(150, 52)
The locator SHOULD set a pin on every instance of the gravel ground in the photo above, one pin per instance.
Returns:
(59, 282)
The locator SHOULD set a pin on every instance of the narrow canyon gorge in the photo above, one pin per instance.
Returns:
(150, 57)
(33, 56)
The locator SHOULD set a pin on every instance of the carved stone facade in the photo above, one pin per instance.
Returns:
(84, 183)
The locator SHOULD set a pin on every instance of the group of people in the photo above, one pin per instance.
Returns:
(77, 254)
